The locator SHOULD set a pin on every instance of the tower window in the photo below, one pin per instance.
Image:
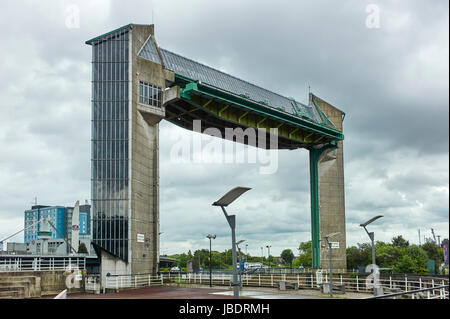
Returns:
(149, 94)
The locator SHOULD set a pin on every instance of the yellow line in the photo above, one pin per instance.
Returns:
(242, 116)
(223, 109)
(257, 124)
(290, 134)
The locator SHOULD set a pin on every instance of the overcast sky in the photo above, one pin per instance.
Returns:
(391, 80)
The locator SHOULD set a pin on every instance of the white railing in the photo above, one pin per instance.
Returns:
(132, 281)
(356, 283)
(41, 263)
(92, 283)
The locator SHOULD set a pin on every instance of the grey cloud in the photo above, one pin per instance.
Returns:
(392, 83)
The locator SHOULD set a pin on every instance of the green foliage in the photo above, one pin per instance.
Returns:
(399, 241)
(305, 257)
(434, 252)
(287, 255)
(398, 255)
(82, 248)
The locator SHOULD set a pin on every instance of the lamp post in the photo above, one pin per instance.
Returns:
(223, 202)
(268, 254)
(262, 256)
(372, 238)
(240, 261)
(327, 237)
(210, 267)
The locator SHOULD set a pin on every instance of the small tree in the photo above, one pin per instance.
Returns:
(305, 257)
(82, 249)
(399, 241)
(288, 256)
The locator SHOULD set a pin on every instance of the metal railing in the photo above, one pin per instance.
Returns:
(92, 283)
(357, 284)
(132, 281)
(419, 293)
(13, 264)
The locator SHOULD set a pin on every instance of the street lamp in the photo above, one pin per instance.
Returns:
(372, 238)
(240, 262)
(223, 202)
(268, 253)
(331, 265)
(210, 267)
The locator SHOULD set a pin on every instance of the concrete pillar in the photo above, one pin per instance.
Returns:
(327, 194)
(144, 159)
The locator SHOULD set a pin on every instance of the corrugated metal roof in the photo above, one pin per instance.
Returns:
(200, 72)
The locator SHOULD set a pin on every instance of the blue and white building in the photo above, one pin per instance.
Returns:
(61, 218)
(55, 214)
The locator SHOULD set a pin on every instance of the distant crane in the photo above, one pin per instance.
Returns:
(434, 237)
(38, 222)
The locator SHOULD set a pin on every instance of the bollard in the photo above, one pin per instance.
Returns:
(357, 284)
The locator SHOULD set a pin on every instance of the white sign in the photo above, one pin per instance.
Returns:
(140, 238)
(334, 244)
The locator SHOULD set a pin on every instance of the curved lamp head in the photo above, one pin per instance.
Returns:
(370, 221)
(231, 196)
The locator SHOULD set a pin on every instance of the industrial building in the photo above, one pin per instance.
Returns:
(61, 218)
(135, 85)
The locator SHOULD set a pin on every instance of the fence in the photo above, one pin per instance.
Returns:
(132, 281)
(92, 283)
(355, 283)
(428, 293)
(41, 263)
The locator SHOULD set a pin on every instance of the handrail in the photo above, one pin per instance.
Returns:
(408, 292)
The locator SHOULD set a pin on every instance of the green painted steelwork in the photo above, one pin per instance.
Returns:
(109, 33)
(313, 134)
(322, 115)
(314, 157)
(229, 98)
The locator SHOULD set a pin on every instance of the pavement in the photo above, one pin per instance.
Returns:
(202, 292)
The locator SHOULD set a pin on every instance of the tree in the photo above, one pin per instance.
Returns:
(399, 241)
(419, 257)
(288, 256)
(387, 255)
(82, 249)
(305, 257)
(434, 252)
(404, 265)
(359, 256)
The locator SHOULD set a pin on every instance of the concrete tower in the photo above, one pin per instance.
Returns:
(126, 109)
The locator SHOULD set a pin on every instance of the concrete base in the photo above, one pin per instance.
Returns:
(34, 284)
(378, 291)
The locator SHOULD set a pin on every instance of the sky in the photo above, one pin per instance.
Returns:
(384, 63)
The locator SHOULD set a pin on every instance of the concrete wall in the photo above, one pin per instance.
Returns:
(331, 193)
(144, 160)
(45, 282)
(113, 265)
